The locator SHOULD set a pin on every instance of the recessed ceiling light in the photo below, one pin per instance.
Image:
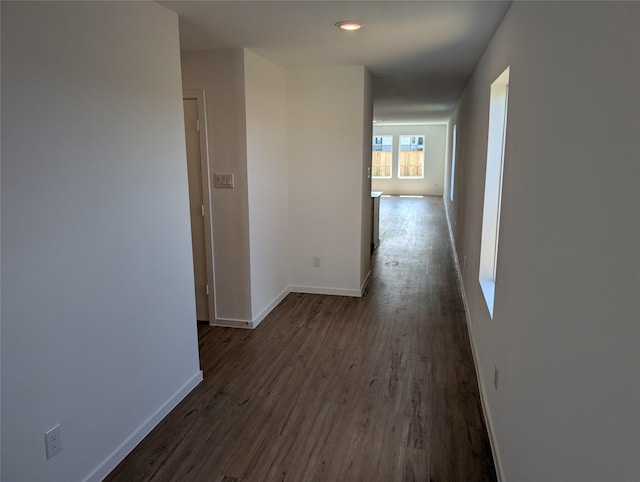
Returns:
(349, 25)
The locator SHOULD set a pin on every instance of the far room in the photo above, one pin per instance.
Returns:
(407, 161)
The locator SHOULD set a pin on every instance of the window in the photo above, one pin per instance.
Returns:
(493, 187)
(381, 152)
(411, 158)
(453, 163)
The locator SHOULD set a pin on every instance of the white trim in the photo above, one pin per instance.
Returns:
(110, 463)
(409, 124)
(251, 324)
(232, 323)
(238, 323)
(364, 284)
(199, 96)
(318, 290)
(483, 394)
(269, 308)
(452, 160)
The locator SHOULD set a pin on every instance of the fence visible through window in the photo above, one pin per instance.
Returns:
(381, 160)
(411, 158)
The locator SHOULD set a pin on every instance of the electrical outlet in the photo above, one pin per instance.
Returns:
(52, 441)
(316, 261)
(496, 373)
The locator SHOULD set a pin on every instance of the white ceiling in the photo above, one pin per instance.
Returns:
(420, 53)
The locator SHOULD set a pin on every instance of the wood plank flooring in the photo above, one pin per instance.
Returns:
(329, 388)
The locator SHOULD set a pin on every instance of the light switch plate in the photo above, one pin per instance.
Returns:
(224, 181)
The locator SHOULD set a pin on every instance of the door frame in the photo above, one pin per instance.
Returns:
(199, 96)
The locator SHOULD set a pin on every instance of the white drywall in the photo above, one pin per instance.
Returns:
(367, 203)
(452, 207)
(0, 278)
(267, 176)
(220, 73)
(434, 160)
(565, 334)
(98, 314)
(325, 154)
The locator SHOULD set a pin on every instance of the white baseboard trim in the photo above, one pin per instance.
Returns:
(110, 463)
(317, 290)
(364, 284)
(483, 394)
(237, 323)
(251, 324)
(232, 323)
(269, 308)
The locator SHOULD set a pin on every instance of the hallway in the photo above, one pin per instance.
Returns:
(327, 388)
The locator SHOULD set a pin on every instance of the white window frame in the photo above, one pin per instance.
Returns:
(421, 176)
(496, 138)
(452, 181)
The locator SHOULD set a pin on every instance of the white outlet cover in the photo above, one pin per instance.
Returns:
(52, 441)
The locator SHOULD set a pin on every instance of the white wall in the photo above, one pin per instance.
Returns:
(265, 123)
(452, 208)
(220, 73)
(0, 279)
(434, 160)
(266, 117)
(367, 131)
(98, 313)
(565, 330)
(326, 163)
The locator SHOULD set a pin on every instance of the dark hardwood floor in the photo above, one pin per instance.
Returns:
(328, 388)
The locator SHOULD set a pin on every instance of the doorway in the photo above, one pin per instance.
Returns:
(199, 204)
